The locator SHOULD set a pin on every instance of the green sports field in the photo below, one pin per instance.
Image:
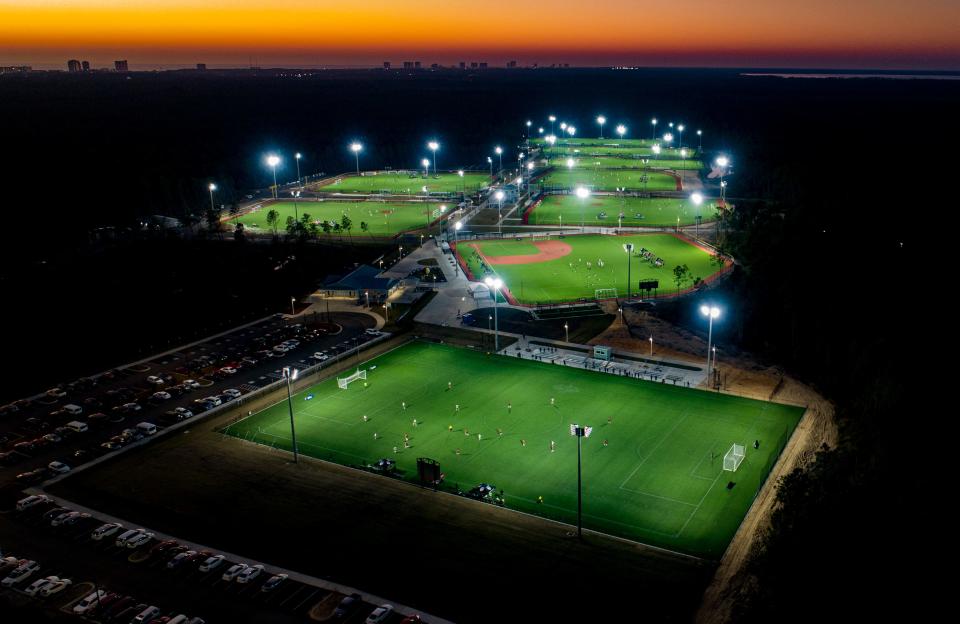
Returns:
(637, 211)
(615, 162)
(608, 179)
(659, 479)
(581, 150)
(382, 218)
(615, 143)
(401, 182)
(534, 276)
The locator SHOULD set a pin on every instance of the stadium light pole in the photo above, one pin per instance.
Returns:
(297, 157)
(553, 120)
(628, 247)
(426, 167)
(722, 162)
(434, 146)
(582, 193)
(653, 135)
(566, 331)
(571, 130)
(680, 131)
(651, 345)
(699, 140)
(697, 199)
(499, 152)
(296, 211)
(496, 283)
(711, 312)
(601, 120)
(212, 187)
(463, 183)
(456, 232)
(356, 149)
(621, 130)
(656, 151)
(499, 197)
(490, 162)
(683, 163)
(668, 138)
(290, 374)
(580, 432)
(273, 160)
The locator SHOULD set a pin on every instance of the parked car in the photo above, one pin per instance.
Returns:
(214, 400)
(192, 384)
(273, 582)
(105, 530)
(20, 573)
(156, 381)
(89, 603)
(233, 393)
(39, 584)
(211, 563)
(249, 573)
(141, 539)
(55, 588)
(127, 535)
(380, 614)
(347, 606)
(161, 396)
(32, 501)
(53, 513)
(182, 558)
(146, 615)
(74, 517)
(57, 467)
(234, 571)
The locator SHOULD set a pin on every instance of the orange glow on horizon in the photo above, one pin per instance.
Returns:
(449, 29)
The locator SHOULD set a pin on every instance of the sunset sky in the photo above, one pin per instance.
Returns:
(921, 34)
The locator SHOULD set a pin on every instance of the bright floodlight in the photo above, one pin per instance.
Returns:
(723, 161)
(570, 163)
(582, 192)
(356, 147)
(498, 150)
(551, 139)
(723, 184)
(425, 162)
(571, 130)
(699, 132)
(458, 225)
(298, 155)
(668, 137)
(460, 172)
(433, 145)
(696, 198)
(273, 160)
(711, 311)
(489, 160)
(683, 152)
(680, 128)
(530, 166)
(498, 196)
(540, 130)
(654, 121)
(212, 187)
(496, 282)
(552, 119)
(621, 130)
(529, 123)
(518, 181)
(443, 208)
(601, 120)
(563, 125)
(656, 149)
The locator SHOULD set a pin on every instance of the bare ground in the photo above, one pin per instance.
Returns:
(741, 374)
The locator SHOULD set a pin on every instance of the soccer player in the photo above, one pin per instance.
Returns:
(466, 432)
(609, 420)
(479, 437)
(449, 385)
(499, 432)
(553, 446)
(551, 401)
(414, 422)
(509, 408)
(456, 408)
(375, 436)
(365, 419)
(394, 449)
(605, 442)
(403, 404)
(450, 428)
(458, 452)
(523, 442)
(540, 500)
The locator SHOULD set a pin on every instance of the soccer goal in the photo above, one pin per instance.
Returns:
(734, 457)
(343, 382)
(605, 293)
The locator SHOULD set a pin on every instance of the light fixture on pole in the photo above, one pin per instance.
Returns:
(711, 312)
(499, 197)
(697, 199)
(456, 231)
(434, 146)
(297, 157)
(601, 120)
(212, 187)
(463, 184)
(680, 130)
(490, 162)
(668, 137)
(273, 160)
(566, 332)
(499, 152)
(496, 283)
(580, 432)
(296, 212)
(656, 151)
(651, 345)
(628, 247)
(552, 121)
(653, 135)
(583, 193)
(571, 130)
(621, 130)
(699, 140)
(290, 374)
(426, 167)
(356, 149)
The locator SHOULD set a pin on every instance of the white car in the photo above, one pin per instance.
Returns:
(39, 584)
(139, 540)
(60, 518)
(146, 615)
(90, 602)
(127, 535)
(228, 370)
(131, 407)
(74, 517)
(320, 356)
(31, 501)
(380, 614)
(234, 571)
(211, 563)
(249, 573)
(161, 396)
(153, 379)
(184, 412)
(192, 384)
(179, 557)
(54, 588)
(105, 530)
(58, 467)
(20, 573)
(281, 348)
(273, 582)
(233, 393)
(215, 401)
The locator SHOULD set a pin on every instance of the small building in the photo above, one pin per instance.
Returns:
(73, 66)
(121, 66)
(201, 67)
(357, 284)
(386, 64)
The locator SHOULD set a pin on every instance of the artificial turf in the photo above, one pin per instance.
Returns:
(596, 142)
(658, 479)
(382, 218)
(615, 162)
(401, 182)
(608, 150)
(608, 179)
(637, 211)
(568, 278)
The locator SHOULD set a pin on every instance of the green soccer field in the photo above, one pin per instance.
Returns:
(548, 279)
(658, 480)
(401, 182)
(608, 150)
(637, 211)
(608, 179)
(382, 218)
(614, 162)
(615, 143)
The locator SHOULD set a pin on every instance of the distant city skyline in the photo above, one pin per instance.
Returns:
(869, 34)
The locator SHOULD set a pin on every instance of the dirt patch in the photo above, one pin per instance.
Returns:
(547, 250)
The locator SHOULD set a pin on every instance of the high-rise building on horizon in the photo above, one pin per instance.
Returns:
(73, 66)
(201, 67)
(85, 65)
(121, 66)
(386, 64)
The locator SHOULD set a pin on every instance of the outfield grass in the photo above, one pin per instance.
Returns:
(382, 218)
(567, 278)
(659, 480)
(608, 179)
(637, 211)
(615, 162)
(400, 182)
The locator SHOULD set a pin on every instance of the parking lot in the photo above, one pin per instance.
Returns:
(130, 580)
(164, 390)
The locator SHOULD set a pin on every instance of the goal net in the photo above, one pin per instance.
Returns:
(605, 293)
(343, 382)
(734, 457)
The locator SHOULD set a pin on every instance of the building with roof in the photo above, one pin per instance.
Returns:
(363, 281)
